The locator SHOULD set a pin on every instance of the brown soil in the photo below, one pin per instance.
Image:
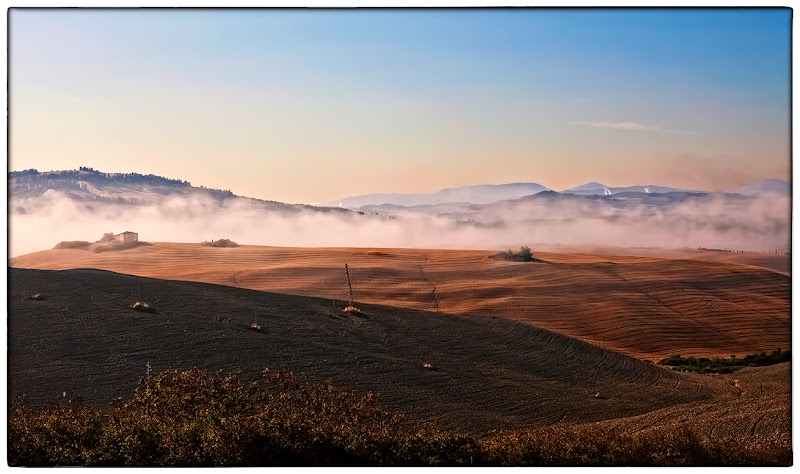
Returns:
(760, 411)
(486, 373)
(780, 263)
(646, 306)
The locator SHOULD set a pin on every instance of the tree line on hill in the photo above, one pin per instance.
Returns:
(34, 180)
(721, 365)
(71, 178)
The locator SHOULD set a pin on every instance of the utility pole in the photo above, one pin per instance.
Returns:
(349, 285)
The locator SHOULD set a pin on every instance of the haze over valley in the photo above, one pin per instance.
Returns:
(50, 207)
(399, 237)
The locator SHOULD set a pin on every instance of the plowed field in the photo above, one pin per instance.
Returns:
(647, 307)
(486, 372)
(760, 413)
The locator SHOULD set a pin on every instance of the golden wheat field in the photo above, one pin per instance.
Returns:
(648, 306)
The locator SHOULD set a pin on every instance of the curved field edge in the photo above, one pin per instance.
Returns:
(646, 306)
(484, 373)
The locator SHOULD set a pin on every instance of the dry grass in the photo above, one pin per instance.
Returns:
(192, 419)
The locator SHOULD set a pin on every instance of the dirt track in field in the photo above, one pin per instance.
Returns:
(487, 372)
(645, 306)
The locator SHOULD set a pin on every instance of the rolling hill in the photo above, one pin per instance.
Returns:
(768, 186)
(48, 207)
(486, 372)
(648, 307)
(479, 194)
(89, 186)
(597, 189)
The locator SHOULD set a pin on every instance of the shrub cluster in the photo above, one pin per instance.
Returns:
(73, 244)
(221, 243)
(189, 418)
(115, 245)
(107, 237)
(721, 365)
(524, 255)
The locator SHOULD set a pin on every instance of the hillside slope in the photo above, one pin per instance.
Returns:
(479, 194)
(647, 307)
(86, 185)
(486, 372)
(761, 412)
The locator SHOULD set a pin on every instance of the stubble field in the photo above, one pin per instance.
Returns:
(486, 372)
(649, 307)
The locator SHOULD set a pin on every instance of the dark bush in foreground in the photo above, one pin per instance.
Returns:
(221, 243)
(190, 419)
(721, 365)
(583, 446)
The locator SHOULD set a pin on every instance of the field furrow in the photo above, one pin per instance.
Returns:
(645, 306)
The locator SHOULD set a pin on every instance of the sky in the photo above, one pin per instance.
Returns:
(316, 105)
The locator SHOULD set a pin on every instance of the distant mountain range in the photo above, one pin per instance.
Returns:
(89, 185)
(556, 205)
(768, 186)
(485, 194)
(597, 189)
(480, 194)
(49, 207)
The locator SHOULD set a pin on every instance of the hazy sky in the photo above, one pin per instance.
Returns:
(311, 106)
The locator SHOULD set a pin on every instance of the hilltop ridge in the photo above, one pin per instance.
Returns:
(89, 185)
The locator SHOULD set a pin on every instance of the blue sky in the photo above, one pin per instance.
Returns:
(290, 104)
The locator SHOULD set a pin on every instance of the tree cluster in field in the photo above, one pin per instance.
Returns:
(191, 418)
(524, 255)
(221, 243)
(722, 365)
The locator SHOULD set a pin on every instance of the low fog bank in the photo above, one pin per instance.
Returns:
(760, 224)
